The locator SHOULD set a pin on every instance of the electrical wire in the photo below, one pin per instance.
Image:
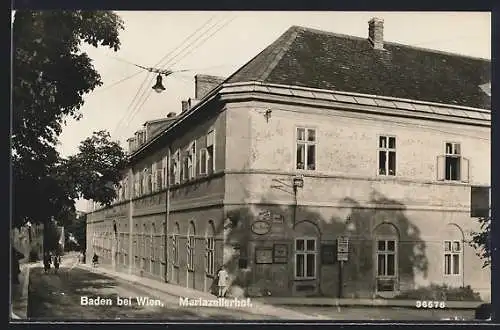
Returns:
(119, 81)
(183, 56)
(129, 108)
(146, 94)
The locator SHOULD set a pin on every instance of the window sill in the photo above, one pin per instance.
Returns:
(452, 275)
(304, 279)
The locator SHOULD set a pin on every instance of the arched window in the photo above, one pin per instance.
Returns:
(145, 246)
(210, 249)
(306, 250)
(386, 254)
(190, 246)
(175, 244)
(153, 243)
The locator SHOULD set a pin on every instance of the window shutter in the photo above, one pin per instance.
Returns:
(165, 171)
(202, 144)
(464, 169)
(441, 163)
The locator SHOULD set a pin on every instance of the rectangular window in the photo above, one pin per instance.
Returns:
(203, 161)
(452, 161)
(386, 258)
(210, 267)
(452, 252)
(387, 155)
(154, 182)
(305, 258)
(159, 179)
(190, 161)
(306, 149)
(175, 175)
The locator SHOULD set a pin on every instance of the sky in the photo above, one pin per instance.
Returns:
(218, 43)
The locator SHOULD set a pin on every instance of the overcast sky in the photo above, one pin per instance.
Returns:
(150, 36)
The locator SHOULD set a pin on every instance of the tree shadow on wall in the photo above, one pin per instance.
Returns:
(362, 221)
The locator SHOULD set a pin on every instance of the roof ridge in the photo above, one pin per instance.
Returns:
(393, 43)
(294, 32)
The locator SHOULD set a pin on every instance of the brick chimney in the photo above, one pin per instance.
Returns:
(376, 32)
(204, 84)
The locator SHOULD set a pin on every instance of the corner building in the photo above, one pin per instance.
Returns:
(319, 136)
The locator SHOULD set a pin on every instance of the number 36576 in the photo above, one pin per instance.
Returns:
(430, 304)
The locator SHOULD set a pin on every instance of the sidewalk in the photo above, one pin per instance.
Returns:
(347, 302)
(19, 298)
(258, 308)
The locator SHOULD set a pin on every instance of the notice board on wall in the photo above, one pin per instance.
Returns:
(263, 255)
(280, 254)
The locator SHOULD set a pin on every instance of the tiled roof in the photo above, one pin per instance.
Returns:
(324, 60)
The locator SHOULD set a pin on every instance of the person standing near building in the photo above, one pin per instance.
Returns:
(223, 279)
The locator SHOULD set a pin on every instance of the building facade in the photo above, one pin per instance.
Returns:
(327, 165)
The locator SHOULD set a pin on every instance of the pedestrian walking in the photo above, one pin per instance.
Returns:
(56, 261)
(95, 260)
(223, 279)
(46, 262)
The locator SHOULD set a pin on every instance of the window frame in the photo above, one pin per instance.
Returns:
(453, 155)
(452, 253)
(305, 253)
(306, 145)
(387, 150)
(213, 146)
(210, 250)
(203, 151)
(386, 253)
(175, 245)
(176, 163)
(190, 247)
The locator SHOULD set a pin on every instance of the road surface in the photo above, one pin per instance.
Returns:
(59, 297)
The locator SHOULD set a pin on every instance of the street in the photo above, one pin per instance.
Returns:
(59, 297)
(71, 295)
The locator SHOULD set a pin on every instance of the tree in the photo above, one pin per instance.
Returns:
(50, 77)
(481, 241)
(96, 171)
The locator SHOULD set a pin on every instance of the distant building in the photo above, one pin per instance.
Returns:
(28, 239)
(323, 151)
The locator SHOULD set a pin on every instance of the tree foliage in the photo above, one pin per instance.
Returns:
(50, 78)
(481, 241)
(96, 170)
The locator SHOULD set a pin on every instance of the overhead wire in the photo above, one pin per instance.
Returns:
(170, 64)
(129, 108)
(146, 94)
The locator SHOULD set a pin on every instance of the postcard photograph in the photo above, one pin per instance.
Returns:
(250, 166)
